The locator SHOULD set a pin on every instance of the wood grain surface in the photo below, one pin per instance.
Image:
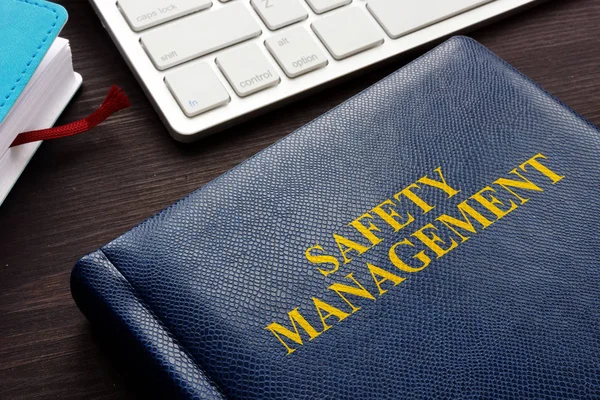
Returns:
(79, 193)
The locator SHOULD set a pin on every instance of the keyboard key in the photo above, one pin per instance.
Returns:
(147, 13)
(348, 32)
(247, 70)
(279, 13)
(199, 34)
(401, 17)
(296, 52)
(321, 6)
(197, 89)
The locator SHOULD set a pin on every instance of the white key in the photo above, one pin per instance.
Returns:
(147, 13)
(401, 17)
(321, 6)
(196, 88)
(296, 52)
(279, 13)
(247, 70)
(348, 32)
(199, 34)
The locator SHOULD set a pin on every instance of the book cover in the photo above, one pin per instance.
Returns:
(28, 29)
(436, 236)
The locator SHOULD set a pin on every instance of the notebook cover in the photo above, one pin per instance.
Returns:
(436, 236)
(27, 30)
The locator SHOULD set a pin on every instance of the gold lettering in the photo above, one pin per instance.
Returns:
(386, 275)
(366, 231)
(401, 265)
(406, 192)
(533, 161)
(450, 191)
(433, 240)
(357, 290)
(466, 224)
(524, 183)
(322, 259)
(391, 216)
(490, 203)
(346, 245)
(331, 311)
(463, 226)
(295, 317)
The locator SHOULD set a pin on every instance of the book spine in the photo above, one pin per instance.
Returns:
(107, 299)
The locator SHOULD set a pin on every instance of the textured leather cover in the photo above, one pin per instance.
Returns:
(27, 30)
(511, 311)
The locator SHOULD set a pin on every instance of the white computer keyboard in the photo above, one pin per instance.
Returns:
(207, 64)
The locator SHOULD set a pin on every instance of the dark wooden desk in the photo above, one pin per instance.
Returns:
(81, 192)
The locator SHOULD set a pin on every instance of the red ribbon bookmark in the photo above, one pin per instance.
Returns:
(115, 100)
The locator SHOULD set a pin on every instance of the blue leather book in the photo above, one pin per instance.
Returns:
(436, 236)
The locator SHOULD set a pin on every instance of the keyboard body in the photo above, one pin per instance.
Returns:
(216, 63)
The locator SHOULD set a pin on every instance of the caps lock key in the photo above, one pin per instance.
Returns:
(148, 13)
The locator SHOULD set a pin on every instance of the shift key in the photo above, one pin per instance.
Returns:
(148, 13)
(199, 34)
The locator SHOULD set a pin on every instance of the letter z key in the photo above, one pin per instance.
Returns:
(279, 13)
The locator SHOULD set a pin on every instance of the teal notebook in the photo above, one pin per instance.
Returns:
(37, 80)
(27, 30)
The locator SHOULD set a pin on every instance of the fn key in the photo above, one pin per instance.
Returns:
(196, 88)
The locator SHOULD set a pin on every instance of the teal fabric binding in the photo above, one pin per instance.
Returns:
(27, 30)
